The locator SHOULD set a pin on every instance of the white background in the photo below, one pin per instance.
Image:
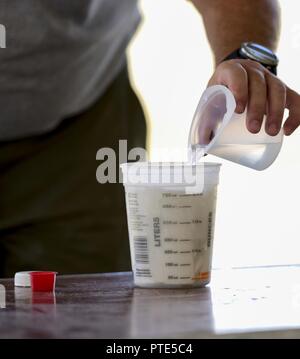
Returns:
(258, 213)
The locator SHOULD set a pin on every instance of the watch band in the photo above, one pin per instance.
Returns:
(237, 55)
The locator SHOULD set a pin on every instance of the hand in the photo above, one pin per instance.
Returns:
(262, 92)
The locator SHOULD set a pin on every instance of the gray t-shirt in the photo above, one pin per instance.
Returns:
(60, 56)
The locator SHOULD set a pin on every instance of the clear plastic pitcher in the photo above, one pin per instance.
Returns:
(216, 129)
(171, 222)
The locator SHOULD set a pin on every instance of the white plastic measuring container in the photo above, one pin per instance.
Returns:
(219, 131)
(170, 222)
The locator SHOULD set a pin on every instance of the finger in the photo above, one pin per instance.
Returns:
(233, 75)
(276, 96)
(293, 105)
(257, 99)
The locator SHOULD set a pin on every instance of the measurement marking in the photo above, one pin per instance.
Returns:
(191, 195)
(185, 264)
(185, 206)
(187, 222)
(197, 221)
(185, 252)
(166, 195)
(171, 264)
(169, 239)
(185, 240)
(209, 230)
(196, 250)
(170, 251)
(170, 222)
(185, 277)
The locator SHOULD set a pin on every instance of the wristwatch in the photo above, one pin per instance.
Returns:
(256, 52)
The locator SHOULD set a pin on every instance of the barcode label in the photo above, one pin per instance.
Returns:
(141, 257)
(143, 272)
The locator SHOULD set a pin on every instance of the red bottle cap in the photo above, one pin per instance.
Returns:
(43, 281)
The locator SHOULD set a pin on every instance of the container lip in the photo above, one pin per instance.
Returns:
(36, 273)
(170, 173)
(205, 100)
(168, 164)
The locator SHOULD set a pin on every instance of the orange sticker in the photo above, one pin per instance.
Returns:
(202, 275)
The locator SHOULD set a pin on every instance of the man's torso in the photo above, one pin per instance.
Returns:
(60, 57)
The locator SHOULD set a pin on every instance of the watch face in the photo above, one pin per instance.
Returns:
(259, 53)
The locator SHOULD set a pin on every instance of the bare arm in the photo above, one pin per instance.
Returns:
(228, 23)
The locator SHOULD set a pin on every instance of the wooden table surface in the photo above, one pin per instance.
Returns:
(250, 302)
